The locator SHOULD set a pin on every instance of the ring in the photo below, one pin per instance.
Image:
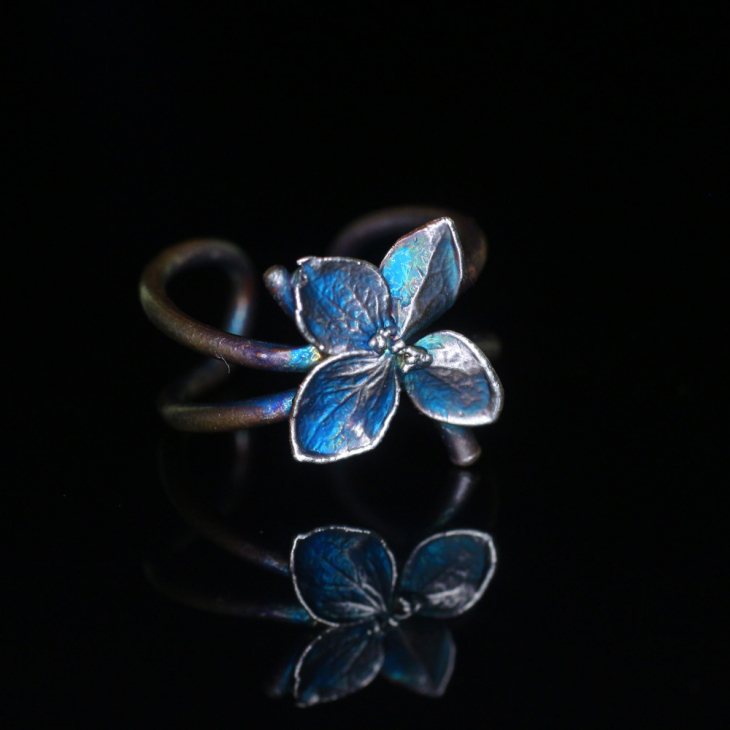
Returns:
(365, 328)
(370, 614)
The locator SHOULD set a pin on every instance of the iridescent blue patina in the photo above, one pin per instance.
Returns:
(423, 271)
(318, 675)
(340, 303)
(360, 319)
(356, 568)
(446, 572)
(347, 578)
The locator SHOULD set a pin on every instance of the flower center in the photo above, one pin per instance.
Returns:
(403, 608)
(410, 357)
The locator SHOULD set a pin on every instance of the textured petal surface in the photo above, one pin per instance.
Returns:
(459, 386)
(344, 406)
(423, 271)
(343, 575)
(449, 572)
(340, 303)
(420, 655)
(337, 663)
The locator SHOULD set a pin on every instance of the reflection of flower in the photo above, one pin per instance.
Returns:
(362, 318)
(347, 578)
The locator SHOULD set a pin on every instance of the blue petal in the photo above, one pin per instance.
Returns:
(449, 572)
(340, 303)
(337, 663)
(342, 575)
(344, 406)
(420, 655)
(459, 386)
(423, 271)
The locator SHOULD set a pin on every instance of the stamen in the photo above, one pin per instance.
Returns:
(413, 357)
(378, 342)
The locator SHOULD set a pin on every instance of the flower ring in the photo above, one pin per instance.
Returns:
(362, 318)
(365, 326)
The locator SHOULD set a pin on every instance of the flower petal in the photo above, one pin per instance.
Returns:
(337, 663)
(344, 406)
(340, 303)
(450, 571)
(342, 575)
(459, 386)
(424, 271)
(420, 655)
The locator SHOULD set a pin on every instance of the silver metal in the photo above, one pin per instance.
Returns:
(316, 531)
(452, 365)
(477, 535)
(296, 450)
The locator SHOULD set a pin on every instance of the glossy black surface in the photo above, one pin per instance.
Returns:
(586, 146)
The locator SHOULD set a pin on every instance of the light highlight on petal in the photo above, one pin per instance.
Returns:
(340, 303)
(342, 575)
(424, 271)
(344, 406)
(450, 572)
(459, 386)
(337, 663)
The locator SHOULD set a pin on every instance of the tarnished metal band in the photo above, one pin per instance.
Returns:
(179, 412)
(229, 345)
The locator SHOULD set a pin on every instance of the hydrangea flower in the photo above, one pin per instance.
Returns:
(347, 579)
(364, 319)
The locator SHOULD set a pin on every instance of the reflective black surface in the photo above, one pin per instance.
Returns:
(586, 147)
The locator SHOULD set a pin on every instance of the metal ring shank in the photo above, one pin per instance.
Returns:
(229, 345)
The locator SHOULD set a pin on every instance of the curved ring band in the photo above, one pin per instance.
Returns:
(230, 346)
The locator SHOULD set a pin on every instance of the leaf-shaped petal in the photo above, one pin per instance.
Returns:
(344, 406)
(459, 386)
(337, 663)
(424, 271)
(449, 572)
(420, 655)
(342, 574)
(340, 303)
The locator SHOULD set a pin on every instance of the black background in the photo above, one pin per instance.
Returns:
(585, 144)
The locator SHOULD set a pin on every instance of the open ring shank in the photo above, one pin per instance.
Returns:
(228, 345)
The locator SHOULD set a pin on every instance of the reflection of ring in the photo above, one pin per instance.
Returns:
(364, 326)
(372, 615)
